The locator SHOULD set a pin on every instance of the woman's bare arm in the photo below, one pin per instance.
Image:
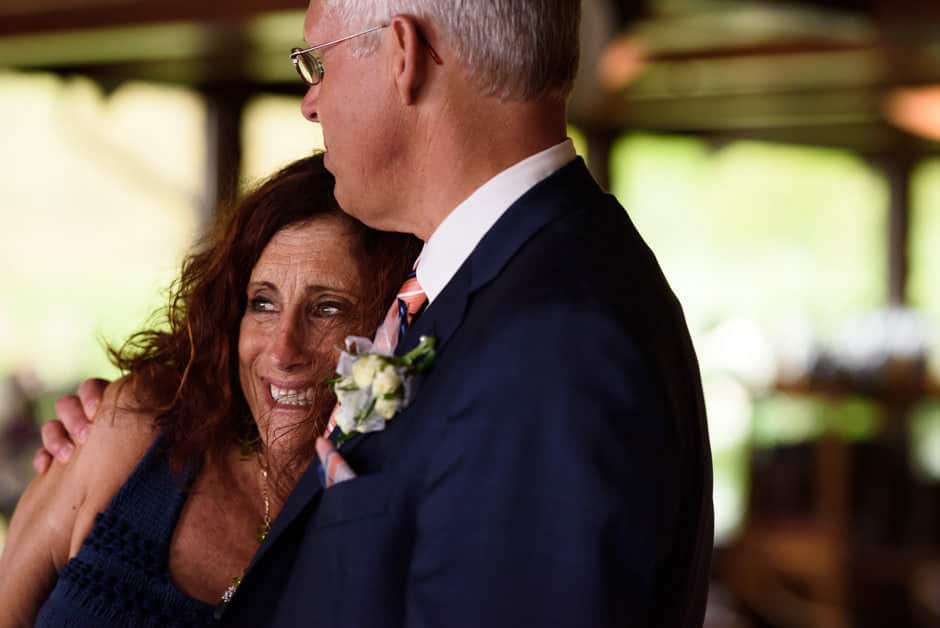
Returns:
(37, 544)
(57, 511)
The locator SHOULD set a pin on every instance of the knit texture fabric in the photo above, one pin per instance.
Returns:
(120, 576)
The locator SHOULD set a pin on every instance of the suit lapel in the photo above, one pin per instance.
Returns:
(439, 320)
(524, 219)
(566, 190)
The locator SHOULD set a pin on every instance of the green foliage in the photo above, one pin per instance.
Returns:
(925, 440)
(925, 238)
(758, 231)
(787, 419)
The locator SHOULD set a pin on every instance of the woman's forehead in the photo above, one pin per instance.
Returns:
(325, 245)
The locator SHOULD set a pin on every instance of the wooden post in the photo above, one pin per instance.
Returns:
(223, 146)
(897, 169)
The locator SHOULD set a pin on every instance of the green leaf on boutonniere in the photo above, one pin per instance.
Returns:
(343, 437)
(421, 358)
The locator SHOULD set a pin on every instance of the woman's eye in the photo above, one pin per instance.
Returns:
(261, 304)
(328, 310)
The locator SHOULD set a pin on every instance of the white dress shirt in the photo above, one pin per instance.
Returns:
(459, 233)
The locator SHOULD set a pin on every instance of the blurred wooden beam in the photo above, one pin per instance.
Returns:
(224, 146)
(791, 46)
(898, 169)
(20, 17)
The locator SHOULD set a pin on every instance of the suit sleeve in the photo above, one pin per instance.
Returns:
(552, 499)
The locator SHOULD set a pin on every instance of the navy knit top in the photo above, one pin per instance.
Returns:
(120, 576)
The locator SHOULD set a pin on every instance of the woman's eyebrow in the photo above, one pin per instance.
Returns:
(262, 284)
(319, 287)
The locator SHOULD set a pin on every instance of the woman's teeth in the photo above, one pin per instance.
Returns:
(292, 396)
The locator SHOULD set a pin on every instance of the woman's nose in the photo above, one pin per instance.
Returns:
(289, 350)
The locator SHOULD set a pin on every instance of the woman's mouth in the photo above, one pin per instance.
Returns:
(302, 396)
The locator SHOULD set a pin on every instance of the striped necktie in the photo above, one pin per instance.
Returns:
(408, 303)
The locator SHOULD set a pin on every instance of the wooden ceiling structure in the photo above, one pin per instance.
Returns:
(805, 71)
(819, 72)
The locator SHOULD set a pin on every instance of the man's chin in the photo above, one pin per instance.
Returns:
(337, 186)
(347, 204)
(353, 207)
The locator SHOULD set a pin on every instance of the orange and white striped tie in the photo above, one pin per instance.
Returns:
(408, 303)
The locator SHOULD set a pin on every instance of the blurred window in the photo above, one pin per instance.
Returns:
(274, 134)
(100, 198)
(922, 286)
(761, 231)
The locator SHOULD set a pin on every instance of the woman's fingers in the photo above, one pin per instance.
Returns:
(56, 440)
(90, 393)
(74, 416)
(42, 460)
(70, 412)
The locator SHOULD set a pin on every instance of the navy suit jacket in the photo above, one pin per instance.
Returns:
(554, 468)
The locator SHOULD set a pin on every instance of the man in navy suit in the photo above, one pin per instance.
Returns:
(554, 467)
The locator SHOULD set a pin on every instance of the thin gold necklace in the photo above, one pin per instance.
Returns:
(263, 530)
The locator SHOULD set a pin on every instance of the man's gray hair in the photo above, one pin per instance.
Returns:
(512, 49)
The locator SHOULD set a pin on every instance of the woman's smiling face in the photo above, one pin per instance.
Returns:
(303, 297)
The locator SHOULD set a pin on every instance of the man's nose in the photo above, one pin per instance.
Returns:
(308, 106)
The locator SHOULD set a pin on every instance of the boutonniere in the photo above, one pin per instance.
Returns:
(372, 387)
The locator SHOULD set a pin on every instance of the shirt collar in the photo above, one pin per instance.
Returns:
(459, 233)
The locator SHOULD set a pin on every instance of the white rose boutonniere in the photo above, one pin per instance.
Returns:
(372, 387)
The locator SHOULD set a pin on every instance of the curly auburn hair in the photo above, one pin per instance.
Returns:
(185, 370)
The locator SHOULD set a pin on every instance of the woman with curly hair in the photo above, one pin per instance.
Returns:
(161, 510)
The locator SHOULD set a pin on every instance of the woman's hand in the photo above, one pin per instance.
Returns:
(75, 415)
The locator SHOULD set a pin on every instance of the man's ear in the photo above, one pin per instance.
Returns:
(410, 62)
